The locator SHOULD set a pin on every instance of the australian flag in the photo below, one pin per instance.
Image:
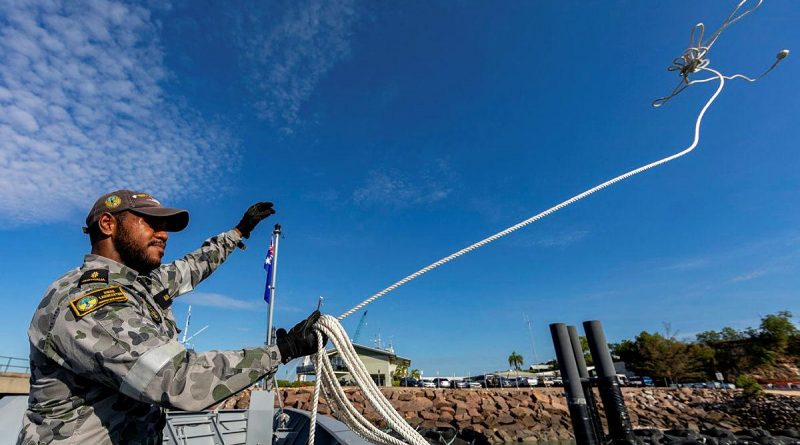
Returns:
(268, 262)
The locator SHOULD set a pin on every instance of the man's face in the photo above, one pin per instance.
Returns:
(140, 241)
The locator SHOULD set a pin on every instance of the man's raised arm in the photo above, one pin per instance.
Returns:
(184, 274)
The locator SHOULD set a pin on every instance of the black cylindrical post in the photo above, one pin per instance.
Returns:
(576, 401)
(583, 372)
(619, 421)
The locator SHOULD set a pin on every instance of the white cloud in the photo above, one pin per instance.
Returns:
(392, 188)
(289, 60)
(752, 275)
(561, 239)
(83, 111)
(690, 264)
(221, 301)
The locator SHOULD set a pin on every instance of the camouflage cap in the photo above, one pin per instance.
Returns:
(137, 202)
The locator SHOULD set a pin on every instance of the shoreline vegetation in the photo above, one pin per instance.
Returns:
(766, 356)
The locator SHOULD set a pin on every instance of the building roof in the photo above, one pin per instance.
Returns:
(362, 348)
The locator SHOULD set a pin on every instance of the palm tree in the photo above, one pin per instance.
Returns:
(401, 371)
(415, 373)
(515, 360)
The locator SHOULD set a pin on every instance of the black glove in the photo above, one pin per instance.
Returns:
(253, 216)
(300, 340)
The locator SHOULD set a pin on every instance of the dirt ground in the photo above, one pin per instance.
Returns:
(783, 392)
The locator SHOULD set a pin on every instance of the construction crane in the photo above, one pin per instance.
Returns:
(361, 324)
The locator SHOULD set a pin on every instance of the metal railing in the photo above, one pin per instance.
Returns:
(14, 364)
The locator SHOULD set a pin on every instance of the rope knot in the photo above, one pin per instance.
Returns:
(695, 58)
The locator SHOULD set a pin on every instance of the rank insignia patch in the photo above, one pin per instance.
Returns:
(96, 299)
(153, 312)
(163, 299)
(94, 276)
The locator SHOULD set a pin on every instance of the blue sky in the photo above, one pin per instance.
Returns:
(390, 135)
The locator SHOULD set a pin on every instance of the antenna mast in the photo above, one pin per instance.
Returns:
(186, 326)
(530, 334)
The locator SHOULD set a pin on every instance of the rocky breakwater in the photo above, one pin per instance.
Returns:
(532, 415)
(500, 415)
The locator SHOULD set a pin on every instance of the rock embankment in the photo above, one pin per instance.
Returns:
(532, 415)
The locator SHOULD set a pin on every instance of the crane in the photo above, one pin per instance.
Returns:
(361, 324)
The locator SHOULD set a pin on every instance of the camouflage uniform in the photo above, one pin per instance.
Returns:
(105, 359)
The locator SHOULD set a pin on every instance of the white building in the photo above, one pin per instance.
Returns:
(380, 363)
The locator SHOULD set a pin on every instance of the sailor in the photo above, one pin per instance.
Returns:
(105, 358)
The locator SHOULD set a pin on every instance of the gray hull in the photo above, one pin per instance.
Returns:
(253, 426)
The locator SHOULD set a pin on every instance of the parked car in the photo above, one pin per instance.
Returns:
(527, 382)
(441, 382)
(507, 383)
(473, 385)
(426, 384)
(557, 381)
(640, 381)
(409, 381)
(459, 384)
(487, 380)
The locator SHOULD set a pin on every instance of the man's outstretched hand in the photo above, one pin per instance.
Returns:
(253, 216)
(300, 340)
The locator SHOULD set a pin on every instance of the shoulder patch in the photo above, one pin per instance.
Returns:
(163, 299)
(93, 276)
(96, 299)
(153, 312)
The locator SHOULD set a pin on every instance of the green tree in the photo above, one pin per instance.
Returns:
(587, 355)
(749, 385)
(664, 356)
(416, 373)
(777, 330)
(626, 350)
(709, 337)
(729, 334)
(401, 371)
(515, 360)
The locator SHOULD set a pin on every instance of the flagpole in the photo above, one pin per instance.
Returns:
(276, 236)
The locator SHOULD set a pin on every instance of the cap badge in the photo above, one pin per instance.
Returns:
(113, 202)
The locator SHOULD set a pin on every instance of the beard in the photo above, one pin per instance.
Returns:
(132, 254)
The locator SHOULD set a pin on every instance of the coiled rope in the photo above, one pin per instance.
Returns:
(693, 60)
(695, 57)
(347, 413)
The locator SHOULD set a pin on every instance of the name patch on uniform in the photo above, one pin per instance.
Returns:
(96, 299)
(163, 299)
(94, 276)
(153, 312)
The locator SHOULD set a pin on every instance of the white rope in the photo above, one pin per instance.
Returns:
(693, 60)
(337, 399)
(549, 211)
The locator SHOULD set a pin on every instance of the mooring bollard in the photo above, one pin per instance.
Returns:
(619, 421)
(573, 389)
(586, 383)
